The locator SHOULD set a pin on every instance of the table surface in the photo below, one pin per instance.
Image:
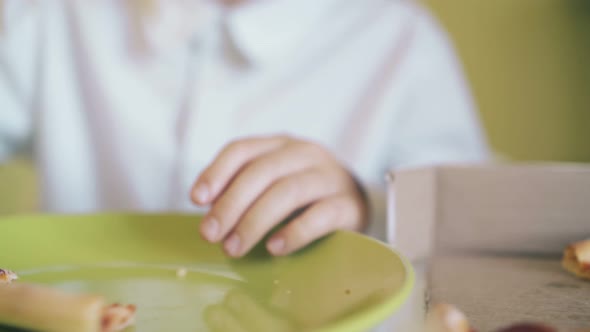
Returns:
(499, 290)
(495, 291)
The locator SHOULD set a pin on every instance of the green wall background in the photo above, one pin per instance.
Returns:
(528, 62)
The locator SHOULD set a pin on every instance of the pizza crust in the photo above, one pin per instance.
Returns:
(446, 318)
(7, 276)
(117, 317)
(528, 327)
(576, 259)
(42, 308)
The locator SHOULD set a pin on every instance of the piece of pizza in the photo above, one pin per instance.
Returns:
(576, 259)
(446, 318)
(528, 327)
(40, 308)
(7, 276)
(536, 327)
(117, 317)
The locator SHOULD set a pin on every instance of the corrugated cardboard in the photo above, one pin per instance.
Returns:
(497, 208)
(494, 235)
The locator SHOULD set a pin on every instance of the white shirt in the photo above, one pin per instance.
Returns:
(123, 111)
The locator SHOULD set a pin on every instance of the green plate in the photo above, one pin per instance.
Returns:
(345, 282)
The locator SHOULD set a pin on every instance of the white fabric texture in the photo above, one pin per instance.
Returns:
(123, 111)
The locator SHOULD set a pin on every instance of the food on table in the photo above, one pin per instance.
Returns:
(528, 327)
(576, 259)
(7, 276)
(41, 308)
(446, 318)
(535, 327)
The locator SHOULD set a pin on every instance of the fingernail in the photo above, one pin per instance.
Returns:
(210, 228)
(276, 245)
(232, 245)
(202, 193)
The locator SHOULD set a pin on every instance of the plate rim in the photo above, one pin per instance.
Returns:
(366, 318)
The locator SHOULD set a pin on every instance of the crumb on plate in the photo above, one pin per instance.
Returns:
(181, 272)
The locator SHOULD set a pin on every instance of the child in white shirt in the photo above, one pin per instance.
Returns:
(274, 106)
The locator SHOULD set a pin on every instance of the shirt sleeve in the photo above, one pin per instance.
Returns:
(17, 54)
(438, 120)
(435, 122)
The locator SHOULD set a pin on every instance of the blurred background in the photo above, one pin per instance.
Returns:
(528, 62)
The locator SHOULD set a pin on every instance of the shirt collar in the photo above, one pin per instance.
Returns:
(264, 31)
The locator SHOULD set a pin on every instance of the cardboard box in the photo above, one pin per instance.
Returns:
(501, 208)
(493, 236)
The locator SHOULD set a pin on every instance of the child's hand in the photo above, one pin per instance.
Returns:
(254, 184)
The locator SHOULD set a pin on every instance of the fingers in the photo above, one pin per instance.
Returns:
(276, 204)
(255, 184)
(248, 185)
(234, 156)
(322, 218)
